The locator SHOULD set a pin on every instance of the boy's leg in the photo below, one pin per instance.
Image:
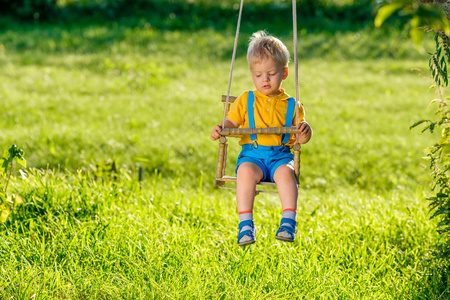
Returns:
(284, 177)
(248, 175)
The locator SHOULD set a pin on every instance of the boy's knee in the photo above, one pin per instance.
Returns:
(284, 172)
(250, 171)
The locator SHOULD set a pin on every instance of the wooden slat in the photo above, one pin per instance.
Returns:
(267, 130)
(231, 99)
(233, 179)
(257, 191)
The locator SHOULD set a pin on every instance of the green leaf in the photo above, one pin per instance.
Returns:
(21, 161)
(5, 164)
(386, 11)
(4, 215)
(142, 159)
(429, 127)
(418, 123)
(2, 168)
(12, 151)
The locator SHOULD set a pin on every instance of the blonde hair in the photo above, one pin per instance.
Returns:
(263, 46)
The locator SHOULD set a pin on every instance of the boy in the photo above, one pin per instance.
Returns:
(266, 157)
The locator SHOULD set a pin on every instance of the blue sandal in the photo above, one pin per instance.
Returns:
(246, 237)
(286, 233)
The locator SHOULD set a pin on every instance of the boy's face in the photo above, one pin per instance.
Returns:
(267, 76)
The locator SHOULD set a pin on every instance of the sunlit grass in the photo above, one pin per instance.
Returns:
(74, 97)
(95, 239)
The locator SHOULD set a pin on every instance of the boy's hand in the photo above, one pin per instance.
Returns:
(215, 132)
(218, 128)
(305, 132)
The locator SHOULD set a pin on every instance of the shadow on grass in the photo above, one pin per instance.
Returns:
(316, 15)
(435, 282)
(337, 29)
(150, 38)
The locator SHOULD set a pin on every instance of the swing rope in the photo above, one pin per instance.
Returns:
(297, 92)
(232, 63)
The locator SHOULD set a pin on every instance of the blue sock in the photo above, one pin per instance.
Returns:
(244, 216)
(289, 214)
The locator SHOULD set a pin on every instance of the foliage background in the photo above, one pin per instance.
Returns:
(87, 83)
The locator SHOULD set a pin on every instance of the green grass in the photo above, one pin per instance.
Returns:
(93, 240)
(75, 96)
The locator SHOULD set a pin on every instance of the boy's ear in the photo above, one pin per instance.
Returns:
(285, 73)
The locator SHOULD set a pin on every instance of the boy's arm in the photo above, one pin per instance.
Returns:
(215, 133)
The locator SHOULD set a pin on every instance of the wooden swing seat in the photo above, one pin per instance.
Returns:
(221, 179)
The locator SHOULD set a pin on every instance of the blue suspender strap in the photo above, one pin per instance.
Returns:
(251, 116)
(289, 116)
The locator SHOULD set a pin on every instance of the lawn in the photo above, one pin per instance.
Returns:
(77, 96)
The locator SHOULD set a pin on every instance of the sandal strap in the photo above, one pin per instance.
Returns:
(244, 233)
(289, 221)
(289, 229)
(246, 223)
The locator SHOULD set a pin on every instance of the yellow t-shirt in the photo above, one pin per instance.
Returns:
(268, 112)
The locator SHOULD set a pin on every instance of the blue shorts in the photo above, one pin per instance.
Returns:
(266, 157)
